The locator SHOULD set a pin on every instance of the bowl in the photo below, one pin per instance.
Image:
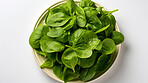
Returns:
(40, 60)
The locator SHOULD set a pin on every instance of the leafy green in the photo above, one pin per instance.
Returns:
(108, 46)
(86, 3)
(48, 45)
(117, 37)
(47, 64)
(88, 62)
(81, 19)
(69, 58)
(36, 36)
(55, 32)
(87, 74)
(58, 58)
(58, 19)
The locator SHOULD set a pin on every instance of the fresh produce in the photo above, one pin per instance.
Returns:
(77, 40)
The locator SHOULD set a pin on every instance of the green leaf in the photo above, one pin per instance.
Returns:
(41, 53)
(87, 3)
(49, 45)
(102, 62)
(81, 19)
(87, 74)
(84, 52)
(58, 58)
(88, 62)
(82, 36)
(102, 29)
(69, 58)
(70, 75)
(71, 6)
(93, 20)
(92, 9)
(58, 71)
(117, 37)
(108, 46)
(36, 36)
(58, 19)
(70, 23)
(63, 38)
(47, 64)
(56, 32)
(99, 46)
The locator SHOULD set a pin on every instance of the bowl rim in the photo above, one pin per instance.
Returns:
(118, 47)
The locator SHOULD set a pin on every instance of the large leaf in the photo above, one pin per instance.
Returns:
(69, 58)
(49, 45)
(36, 36)
(58, 19)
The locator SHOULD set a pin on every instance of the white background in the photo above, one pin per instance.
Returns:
(18, 17)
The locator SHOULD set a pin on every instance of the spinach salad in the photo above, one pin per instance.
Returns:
(77, 40)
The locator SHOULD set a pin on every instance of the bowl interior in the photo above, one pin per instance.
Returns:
(40, 60)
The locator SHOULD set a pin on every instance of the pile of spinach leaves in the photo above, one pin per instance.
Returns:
(76, 40)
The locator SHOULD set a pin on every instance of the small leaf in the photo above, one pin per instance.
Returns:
(55, 32)
(108, 46)
(102, 29)
(47, 64)
(117, 37)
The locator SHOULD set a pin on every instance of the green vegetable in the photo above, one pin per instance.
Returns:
(108, 46)
(48, 64)
(87, 74)
(48, 45)
(117, 37)
(78, 41)
(69, 58)
(36, 36)
(58, 19)
(55, 32)
(88, 62)
(87, 3)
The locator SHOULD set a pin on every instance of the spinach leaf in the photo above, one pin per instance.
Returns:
(102, 29)
(80, 14)
(88, 62)
(56, 32)
(87, 74)
(106, 20)
(76, 36)
(70, 23)
(70, 75)
(47, 64)
(40, 52)
(93, 20)
(92, 9)
(58, 58)
(71, 6)
(61, 8)
(117, 37)
(36, 36)
(82, 36)
(99, 46)
(58, 19)
(49, 45)
(86, 3)
(48, 15)
(46, 30)
(69, 58)
(108, 46)
(83, 52)
(51, 56)
(102, 62)
(58, 71)
(63, 38)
